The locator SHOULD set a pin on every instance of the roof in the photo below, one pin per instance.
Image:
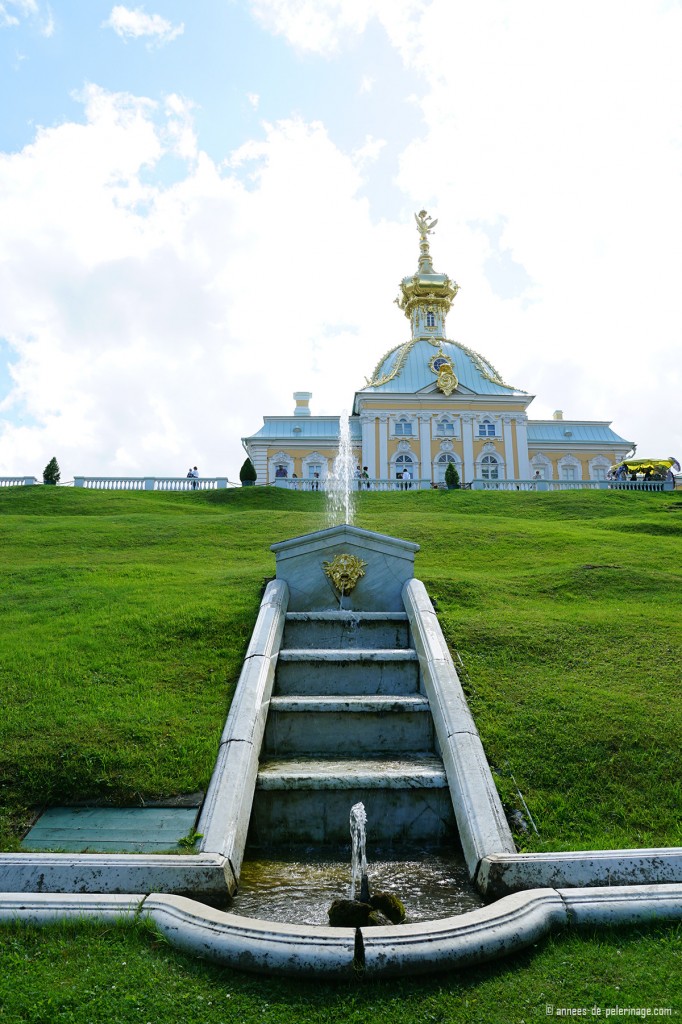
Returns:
(406, 370)
(562, 431)
(299, 428)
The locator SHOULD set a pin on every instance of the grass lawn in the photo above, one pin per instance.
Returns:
(124, 621)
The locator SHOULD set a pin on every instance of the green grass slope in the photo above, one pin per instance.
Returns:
(124, 619)
(125, 615)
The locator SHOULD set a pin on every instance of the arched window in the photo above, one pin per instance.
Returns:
(403, 427)
(442, 464)
(486, 428)
(445, 428)
(404, 462)
(430, 319)
(489, 467)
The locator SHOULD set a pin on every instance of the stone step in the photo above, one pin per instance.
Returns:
(346, 672)
(346, 630)
(308, 800)
(332, 724)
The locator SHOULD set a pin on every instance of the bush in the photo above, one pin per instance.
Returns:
(51, 473)
(451, 476)
(247, 474)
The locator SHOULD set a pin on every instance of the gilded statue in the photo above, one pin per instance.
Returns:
(425, 224)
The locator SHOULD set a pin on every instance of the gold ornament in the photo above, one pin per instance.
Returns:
(447, 378)
(344, 571)
(447, 381)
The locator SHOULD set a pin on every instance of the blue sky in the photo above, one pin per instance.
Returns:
(206, 207)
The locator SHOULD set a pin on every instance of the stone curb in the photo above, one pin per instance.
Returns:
(82, 873)
(482, 825)
(224, 819)
(501, 874)
(512, 923)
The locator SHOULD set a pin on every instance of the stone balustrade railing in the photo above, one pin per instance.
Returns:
(183, 483)
(305, 484)
(152, 483)
(572, 485)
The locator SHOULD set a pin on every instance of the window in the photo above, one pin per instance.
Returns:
(404, 462)
(489, 467)
(430, 319)
(540, 472)
(568, 472)
(445, 428)
(403, 428)
(313, 468)
(486, 429)
(598, 473)
(442, 464)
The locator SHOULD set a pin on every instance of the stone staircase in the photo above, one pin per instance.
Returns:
(348, 721)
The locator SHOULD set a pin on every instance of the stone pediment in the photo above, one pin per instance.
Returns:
(388, 563)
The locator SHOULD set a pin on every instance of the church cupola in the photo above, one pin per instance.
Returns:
(426, 297)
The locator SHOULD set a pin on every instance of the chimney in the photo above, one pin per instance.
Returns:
(558, 414)
(302, 398)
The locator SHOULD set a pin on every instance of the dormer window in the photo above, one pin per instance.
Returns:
(430, 319)
(403, 428)
(486, 428)
(445, 428)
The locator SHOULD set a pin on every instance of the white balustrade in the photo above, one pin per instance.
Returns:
(571, 485)
(152, 483)
(17, 481)
(303, 484)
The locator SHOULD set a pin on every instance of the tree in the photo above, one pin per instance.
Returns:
(247, 474)
(451, 476)
(51, 473)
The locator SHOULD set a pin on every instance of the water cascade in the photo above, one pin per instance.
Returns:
(342, 480)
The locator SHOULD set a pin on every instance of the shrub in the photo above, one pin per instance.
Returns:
(451, 476)
(51, 473)
(247, 474)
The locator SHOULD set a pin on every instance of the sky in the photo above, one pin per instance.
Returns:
(206, 207)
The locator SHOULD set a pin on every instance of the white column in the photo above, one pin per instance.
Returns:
(468, 446)
(383, 446)
(508, 448)
(426, 472)
(369, 455)
(522, 446)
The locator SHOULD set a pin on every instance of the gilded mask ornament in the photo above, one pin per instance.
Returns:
(345, 571)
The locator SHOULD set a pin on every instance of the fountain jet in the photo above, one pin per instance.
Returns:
(342, 480)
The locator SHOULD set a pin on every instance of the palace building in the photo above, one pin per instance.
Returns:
(430, 402)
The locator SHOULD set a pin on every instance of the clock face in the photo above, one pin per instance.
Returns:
(438, 362)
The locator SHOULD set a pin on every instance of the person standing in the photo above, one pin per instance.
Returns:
(195, 479)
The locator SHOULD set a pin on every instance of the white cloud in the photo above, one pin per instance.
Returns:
(136, 24)
(254, 99)
(321, 25)
(561, 123)
(153, 326)
(13, 12)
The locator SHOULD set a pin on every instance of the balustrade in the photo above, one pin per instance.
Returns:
(303, 484)
(152, 483)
